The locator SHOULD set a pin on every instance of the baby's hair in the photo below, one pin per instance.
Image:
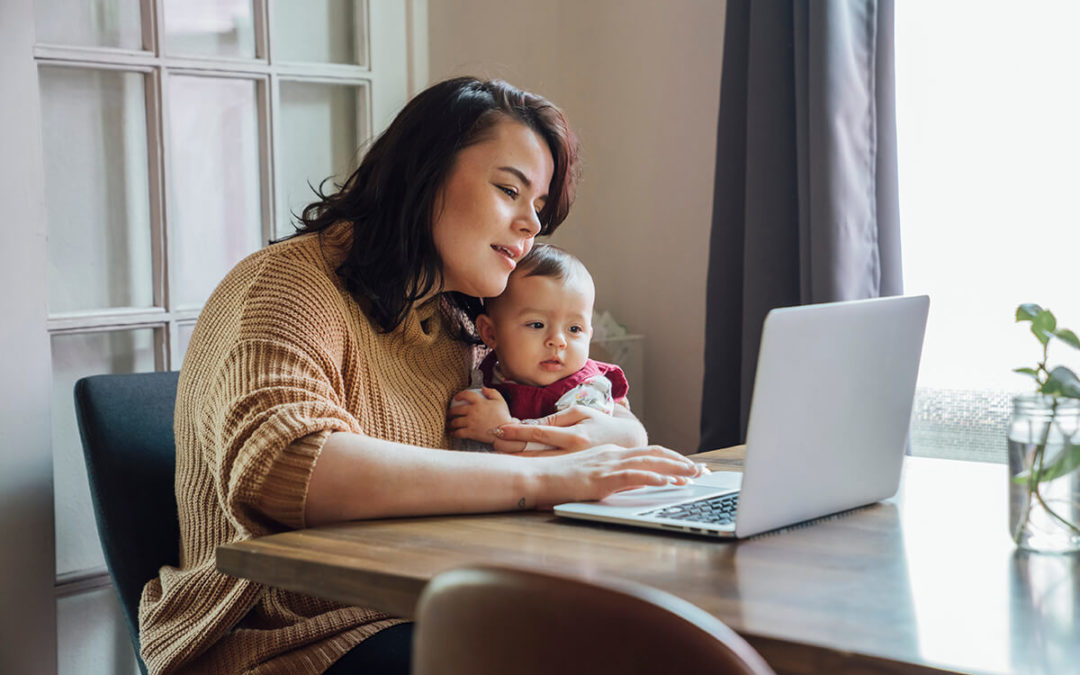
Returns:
(548, 260)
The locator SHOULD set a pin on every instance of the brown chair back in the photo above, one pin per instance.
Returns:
(494, 620)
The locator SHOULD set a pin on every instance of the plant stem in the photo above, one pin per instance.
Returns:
(1038, 495)
(1031, 488)
(1037, 462)
(1054, 514)
(1036, 468)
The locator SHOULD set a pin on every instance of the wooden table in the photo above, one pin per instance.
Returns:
(927, 581)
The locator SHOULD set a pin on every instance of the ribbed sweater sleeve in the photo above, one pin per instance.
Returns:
(262, 469)
(275, 386)
(281, 357)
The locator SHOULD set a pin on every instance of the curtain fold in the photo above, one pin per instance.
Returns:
(805, 204)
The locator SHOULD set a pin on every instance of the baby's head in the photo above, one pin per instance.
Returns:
(542, 323)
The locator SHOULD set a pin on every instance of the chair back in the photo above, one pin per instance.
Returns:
(491, 620)
(126, 425)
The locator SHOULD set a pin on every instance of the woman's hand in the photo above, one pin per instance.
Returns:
(598, 472)
(576, 428)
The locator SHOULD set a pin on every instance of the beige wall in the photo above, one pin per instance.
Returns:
(640, 81)
(27, 564)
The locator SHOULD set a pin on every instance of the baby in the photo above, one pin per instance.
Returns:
(539, 331)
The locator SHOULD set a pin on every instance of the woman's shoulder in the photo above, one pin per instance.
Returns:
(282, 270)
(287, 290)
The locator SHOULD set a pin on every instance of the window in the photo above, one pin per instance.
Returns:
(989, 141)
(178, 138)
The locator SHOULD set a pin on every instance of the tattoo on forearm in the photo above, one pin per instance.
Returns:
(521, 503)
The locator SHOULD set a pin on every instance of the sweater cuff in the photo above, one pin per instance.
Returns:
(289, 478)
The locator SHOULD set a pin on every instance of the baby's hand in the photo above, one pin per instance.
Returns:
(475, 414)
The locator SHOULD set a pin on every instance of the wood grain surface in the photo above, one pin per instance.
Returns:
(927, 581)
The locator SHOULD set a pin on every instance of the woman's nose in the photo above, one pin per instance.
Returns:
(529, 223)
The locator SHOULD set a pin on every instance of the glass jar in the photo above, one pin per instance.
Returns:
(1044, 473)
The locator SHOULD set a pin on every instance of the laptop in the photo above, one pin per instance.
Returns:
(828, 426)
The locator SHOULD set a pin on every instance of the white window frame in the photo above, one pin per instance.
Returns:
(157, 67)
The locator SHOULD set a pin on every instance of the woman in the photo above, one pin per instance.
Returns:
(316, 382)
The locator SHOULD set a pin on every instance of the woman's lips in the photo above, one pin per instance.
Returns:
(506, 254)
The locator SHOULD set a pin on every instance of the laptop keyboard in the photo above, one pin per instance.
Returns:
(719, 510)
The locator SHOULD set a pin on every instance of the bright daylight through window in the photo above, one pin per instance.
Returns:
(988, 117)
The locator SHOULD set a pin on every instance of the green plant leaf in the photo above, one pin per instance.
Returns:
(1027, 371)
(1022, 478)
(1062, 382)
(1066, 461)
(1068, 337)
(1027, 312)
(1043, 325)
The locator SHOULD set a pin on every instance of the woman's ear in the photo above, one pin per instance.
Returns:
(486, 327)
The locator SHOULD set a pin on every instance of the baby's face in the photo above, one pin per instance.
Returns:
(540, 327)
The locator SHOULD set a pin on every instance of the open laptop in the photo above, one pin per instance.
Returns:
(828, 425)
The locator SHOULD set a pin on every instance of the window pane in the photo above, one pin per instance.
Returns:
(320, 31)
(75, 356)
(183, 338)
(320, 132)
(214, 211)
(96, 189)
(89, 23)
(988, 142)
(210, 27)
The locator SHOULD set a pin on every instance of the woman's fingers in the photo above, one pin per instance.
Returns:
(626, 480)
(599, 472)
(661, 460)
(557, 437)
(511, 447)
(568, 417)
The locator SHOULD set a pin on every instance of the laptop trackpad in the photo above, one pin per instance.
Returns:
(650, 496)
(728, 480)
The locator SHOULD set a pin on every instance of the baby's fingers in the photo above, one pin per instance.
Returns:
(469, 396)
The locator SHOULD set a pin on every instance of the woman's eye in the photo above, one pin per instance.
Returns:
(510, 192)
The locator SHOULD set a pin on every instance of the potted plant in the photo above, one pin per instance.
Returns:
(1044, 446)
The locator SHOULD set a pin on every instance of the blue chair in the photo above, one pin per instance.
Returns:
(126, 425)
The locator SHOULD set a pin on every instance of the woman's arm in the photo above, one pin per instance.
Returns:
(358, 477)
(576, 428)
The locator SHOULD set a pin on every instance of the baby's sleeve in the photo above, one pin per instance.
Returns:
(594, 392)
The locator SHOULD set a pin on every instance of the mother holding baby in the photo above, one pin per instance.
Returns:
(316, 385)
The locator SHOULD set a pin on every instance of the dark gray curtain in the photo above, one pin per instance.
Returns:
(805, 206)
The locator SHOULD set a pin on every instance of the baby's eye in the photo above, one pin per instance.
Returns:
(535, 324)
(576, 329)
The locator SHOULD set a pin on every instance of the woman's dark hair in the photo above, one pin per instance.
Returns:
(390, 199)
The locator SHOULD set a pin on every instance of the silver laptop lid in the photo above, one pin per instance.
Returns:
(844, 447)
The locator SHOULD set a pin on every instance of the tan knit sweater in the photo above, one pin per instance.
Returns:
(281, 357)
